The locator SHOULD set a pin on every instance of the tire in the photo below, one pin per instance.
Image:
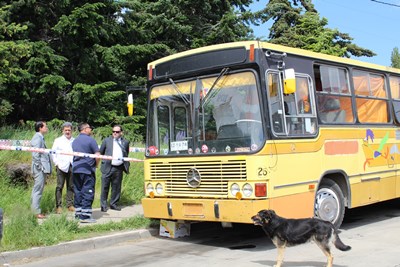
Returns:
(329, 203)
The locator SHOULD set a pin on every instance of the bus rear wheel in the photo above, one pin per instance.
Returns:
(329, 203)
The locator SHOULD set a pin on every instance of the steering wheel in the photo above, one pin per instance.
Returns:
(248, 120)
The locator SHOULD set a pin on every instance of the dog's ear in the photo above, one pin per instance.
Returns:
(261, 212)
(272, 212)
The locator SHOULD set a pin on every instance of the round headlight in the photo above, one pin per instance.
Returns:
(235, 189)
(247, 190)
(149, 188)
(159, 189)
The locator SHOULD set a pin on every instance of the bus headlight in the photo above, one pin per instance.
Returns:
(150, 190)
(159, 189)
(247, 190)
(235, 190)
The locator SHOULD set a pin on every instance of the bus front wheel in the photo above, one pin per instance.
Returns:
(329, 203)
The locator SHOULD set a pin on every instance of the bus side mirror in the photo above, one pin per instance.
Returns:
(130, 104)
(289, 81)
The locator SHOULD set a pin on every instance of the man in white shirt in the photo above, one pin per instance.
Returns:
(63, 164)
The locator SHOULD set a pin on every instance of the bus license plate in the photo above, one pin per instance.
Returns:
(193, 210)
(179, 146)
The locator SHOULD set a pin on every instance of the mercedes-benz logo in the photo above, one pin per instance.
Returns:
(193, 178)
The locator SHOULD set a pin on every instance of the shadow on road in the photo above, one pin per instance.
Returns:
(249, 237)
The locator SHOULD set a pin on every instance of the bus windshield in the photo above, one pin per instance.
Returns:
(218, 114)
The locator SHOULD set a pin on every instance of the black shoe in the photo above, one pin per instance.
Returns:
(103, 209)
(115, 208)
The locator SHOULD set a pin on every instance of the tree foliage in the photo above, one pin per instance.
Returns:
(297, 24)
(395, 58)
(73, 60)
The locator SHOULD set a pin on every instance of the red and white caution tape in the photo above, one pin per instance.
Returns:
(77, 154)
(137, 149)
(27, 143)
(9, 142)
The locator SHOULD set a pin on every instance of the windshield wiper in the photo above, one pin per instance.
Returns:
(206, 98)
(187, 102)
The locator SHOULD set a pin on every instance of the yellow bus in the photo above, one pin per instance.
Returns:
(239, 127)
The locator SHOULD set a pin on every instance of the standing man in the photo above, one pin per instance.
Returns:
(112, 170)
(41, 167)
(63, 165)
(84, 173)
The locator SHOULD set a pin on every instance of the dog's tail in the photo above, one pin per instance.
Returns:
(339, 244)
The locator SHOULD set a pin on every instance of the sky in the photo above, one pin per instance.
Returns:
(372, 25)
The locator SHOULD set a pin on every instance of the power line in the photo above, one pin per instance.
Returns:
(385, 3)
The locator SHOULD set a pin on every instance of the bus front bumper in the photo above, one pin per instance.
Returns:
(214, 210)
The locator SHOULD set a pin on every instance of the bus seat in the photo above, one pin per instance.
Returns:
(332, 112)
(229, 131)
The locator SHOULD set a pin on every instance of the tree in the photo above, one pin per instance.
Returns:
(33, 69)
(395, 58)
(75, 58)
(11, 53)
(297, 24)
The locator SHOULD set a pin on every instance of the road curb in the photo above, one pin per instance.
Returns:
(75, 246)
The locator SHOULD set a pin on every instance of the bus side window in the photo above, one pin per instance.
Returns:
(333, 94)
(302, 96)
(395, 90)
(371, 97)
(276, 109)
(332, 112)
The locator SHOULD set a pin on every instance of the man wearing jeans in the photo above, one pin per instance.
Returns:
(63, 164)
(84, 173)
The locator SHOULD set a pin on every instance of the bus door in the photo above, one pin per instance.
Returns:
(294, 113)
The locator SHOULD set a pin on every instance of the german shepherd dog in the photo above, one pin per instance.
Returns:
(290, 232)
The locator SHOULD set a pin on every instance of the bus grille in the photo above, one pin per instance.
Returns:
(214, 176)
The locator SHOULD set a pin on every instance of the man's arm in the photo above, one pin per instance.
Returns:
(103, 147)
(55, 147)
(35, 142)
(97, 159)
(95, 150)
(127, 147)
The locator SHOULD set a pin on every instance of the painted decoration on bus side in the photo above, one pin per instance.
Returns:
(380, 154)
(341, 147)
(376, 154)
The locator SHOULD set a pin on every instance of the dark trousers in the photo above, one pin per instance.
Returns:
(84, 185)
(113, 178)
(64, 178)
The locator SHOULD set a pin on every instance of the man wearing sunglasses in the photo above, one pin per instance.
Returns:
(112, 170)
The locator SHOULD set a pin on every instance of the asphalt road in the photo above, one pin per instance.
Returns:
(373, 232)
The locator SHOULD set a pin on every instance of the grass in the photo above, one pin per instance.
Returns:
(21, 229)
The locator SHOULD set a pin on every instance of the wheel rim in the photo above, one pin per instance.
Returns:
(327, 205)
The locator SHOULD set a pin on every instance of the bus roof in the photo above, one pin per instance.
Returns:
(280, 48)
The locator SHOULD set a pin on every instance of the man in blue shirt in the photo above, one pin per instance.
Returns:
(84, 173)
